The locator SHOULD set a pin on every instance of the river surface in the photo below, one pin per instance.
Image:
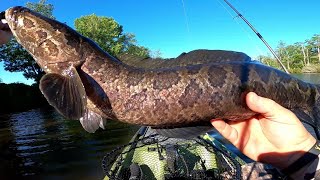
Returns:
(40, 144)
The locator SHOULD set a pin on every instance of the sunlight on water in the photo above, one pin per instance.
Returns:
(40, 144)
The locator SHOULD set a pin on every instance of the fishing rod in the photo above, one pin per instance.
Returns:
(258, 34)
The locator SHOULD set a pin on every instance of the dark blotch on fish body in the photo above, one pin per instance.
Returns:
(165, 80)
(217, 76)
(41, 34)
(213, 86)
(191, 95)
(28, 23)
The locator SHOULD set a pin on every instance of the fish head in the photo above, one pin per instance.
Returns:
(55, 46)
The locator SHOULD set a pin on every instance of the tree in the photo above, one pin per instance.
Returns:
(304, 51)
(42, 7)
(295, 55)
(269, 60)
(314, 42)
(16, 58)
(283, 54)
(108, 34)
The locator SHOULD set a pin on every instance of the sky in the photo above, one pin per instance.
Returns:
(176, 26)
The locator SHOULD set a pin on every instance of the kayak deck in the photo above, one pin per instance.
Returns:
(152, 156)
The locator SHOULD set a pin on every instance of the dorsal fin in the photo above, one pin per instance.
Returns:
(200, 56)
(213, 56)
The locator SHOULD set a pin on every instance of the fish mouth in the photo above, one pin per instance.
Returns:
(11, 15)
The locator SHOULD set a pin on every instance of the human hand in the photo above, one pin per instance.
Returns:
(274, 136)
(5, 33)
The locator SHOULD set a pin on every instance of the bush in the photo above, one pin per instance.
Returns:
(312, 68)
(20, 97)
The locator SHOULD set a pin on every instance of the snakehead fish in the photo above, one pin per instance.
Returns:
(178, 96)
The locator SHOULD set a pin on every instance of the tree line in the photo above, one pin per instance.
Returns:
(299, 57)
(105, 31)
(110, 36)
(20, 97)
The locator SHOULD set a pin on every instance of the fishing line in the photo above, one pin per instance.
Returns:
(185, 16)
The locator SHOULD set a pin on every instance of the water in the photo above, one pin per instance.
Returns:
(311, 77)
(40, 144)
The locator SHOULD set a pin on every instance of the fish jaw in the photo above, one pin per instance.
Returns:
(47, 40)
(58, 50)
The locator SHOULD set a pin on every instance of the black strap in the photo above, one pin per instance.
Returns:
(308, 157)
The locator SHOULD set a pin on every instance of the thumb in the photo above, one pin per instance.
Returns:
(267, 107)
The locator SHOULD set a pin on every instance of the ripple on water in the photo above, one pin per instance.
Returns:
(41, 144)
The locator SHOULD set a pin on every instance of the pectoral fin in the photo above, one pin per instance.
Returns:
(65, 93)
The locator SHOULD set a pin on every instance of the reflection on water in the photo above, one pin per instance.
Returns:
(40, 144)
(311, 77)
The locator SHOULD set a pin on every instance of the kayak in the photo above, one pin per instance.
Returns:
(149, 155)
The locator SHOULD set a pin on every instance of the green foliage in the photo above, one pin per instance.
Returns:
(108, 34)
(42, 7)
(138, 50)
(311, 68)
(298, 57)
(20, 97)
(16, 58)
(269, 60)
(314, 46)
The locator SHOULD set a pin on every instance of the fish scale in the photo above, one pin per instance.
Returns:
(177, 96)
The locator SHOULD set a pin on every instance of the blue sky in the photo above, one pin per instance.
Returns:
(176, 26)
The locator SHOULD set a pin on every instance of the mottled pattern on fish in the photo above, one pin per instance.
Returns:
(186, 91)
(196, 93)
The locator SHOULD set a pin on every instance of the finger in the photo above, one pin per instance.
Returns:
(225, 130)
(267, 107)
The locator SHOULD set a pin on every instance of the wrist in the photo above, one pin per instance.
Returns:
(305, 164)
(292, 156)
(290, 159)
(308, 171)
